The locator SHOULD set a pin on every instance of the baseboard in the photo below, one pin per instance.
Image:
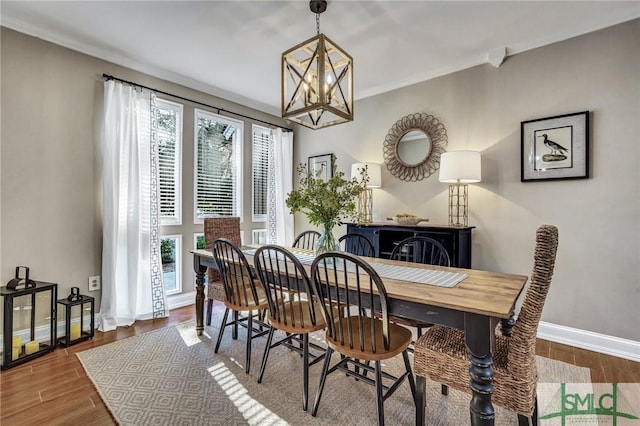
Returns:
(610, 345)
(181, 300)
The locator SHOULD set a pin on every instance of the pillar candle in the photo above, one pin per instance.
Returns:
(17, 341)
(15, 352)
(75, 331)
(31, 347)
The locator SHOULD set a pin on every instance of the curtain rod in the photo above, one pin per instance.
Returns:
(110, 77)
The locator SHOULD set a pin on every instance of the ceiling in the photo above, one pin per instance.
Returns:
(232, 49)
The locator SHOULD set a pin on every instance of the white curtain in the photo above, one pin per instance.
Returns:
(280, 183)
(131, 271)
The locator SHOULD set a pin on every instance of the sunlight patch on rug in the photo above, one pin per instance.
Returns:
(252, 410)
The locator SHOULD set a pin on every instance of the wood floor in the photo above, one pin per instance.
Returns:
(54, 389)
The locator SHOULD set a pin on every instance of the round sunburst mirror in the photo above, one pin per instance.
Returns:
(413, 146)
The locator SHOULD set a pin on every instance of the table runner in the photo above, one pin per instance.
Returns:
(403, 273)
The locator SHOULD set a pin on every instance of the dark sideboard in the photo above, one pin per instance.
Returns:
(456, 239)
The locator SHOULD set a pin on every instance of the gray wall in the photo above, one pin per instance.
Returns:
(596, 285)
(50, 190)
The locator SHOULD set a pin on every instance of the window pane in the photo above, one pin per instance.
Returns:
(260, 169)
(168, 117)
(170, 251)
(218, 143)
(259, 236)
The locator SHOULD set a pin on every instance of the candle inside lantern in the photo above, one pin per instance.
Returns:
(75, 331)
(15, 352)
(31, 347)
(17, 341)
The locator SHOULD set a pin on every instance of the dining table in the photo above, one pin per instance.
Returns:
(472, 300)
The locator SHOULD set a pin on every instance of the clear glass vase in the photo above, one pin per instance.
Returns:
(326, 241)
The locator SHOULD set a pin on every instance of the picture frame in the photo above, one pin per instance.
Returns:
(320, 166)
(554, 148)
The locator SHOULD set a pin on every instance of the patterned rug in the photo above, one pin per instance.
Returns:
(172, 377)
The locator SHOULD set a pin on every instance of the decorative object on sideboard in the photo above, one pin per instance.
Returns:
(79, 312)
(407, 219)
(555, 148)
(317, 80)
(458, 168)
(29, 322)
(413, 146)
(370, 176)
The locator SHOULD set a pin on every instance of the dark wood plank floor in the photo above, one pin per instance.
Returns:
(55, 390)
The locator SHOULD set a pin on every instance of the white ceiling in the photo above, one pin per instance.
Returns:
(232, 48)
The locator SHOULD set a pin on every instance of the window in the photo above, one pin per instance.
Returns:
(259, 236)
(218, 166)
(169, 134)
(198, 243)
(171, 253)
(260, 172)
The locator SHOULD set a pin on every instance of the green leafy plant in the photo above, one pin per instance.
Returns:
(325, 202)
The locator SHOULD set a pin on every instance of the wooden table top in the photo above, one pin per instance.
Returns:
(483, 292)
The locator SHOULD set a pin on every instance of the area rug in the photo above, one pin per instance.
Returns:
(172, 377)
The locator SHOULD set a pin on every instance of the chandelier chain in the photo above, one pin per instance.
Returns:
(317, 23)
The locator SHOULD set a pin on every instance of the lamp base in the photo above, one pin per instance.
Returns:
(365, 206)
(458, 204)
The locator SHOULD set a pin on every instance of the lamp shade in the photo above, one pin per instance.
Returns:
(460, 167)
(373, 171)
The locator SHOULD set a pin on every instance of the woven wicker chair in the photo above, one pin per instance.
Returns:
(441, 353)
(357, 244)
(306, 240)
(292, 309)
(341, 279)
(243, 293)
(214, 228)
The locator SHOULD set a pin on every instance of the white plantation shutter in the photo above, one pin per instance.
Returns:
(169, 135)
(260, 171)
(218, 166)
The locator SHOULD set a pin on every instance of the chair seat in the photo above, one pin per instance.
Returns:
(296, 318)
(251, 304)
(441, 355)
(399, 337)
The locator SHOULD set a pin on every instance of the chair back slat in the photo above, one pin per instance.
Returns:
(357, 244)
(421, 250)
(306, 240)
(286, 283)
(349, 290)
(237, 277)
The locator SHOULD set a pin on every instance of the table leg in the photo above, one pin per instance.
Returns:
(200, 271)
(480, 341)
(421, 390)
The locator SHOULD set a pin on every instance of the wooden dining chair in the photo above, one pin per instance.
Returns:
(342, 279)
(357, 244)
(441, 353)
(243, 294)
(214, 228)
(424, 250)
(292, 308)
(306, 240)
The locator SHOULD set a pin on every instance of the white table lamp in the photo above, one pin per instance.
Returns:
(360, 172)
(459, 168)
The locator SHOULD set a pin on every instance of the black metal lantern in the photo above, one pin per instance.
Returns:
(78, 318)
(29, 319)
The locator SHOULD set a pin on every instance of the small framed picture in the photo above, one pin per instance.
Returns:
(555, 147)
(319, 166)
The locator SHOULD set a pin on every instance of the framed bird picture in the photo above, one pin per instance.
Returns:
(555, 148)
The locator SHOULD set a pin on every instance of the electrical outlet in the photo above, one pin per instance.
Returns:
(95, 283)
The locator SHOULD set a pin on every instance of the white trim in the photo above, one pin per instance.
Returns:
(609, 345)
(181, 300)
